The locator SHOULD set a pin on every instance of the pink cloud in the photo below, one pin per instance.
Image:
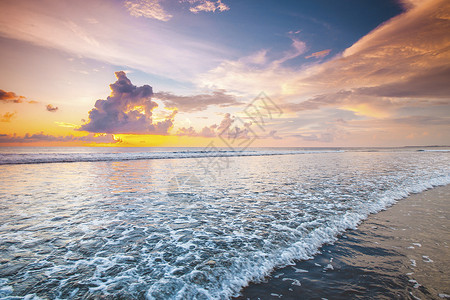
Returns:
(319, 54)
(127, 110)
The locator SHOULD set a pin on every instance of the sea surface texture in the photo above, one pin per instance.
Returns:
(182, 223)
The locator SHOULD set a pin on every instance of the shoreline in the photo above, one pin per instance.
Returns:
(401, 252)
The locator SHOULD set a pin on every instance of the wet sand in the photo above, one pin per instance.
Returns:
(400, 253)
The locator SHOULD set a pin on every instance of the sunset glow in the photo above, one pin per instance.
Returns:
(172, 73)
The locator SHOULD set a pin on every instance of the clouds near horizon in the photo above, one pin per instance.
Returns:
(207, 62)
(127, 110)
(6, 117)
(11, 97)
(42, 137)
(197, 102)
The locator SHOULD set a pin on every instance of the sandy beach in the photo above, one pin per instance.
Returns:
(400, 253)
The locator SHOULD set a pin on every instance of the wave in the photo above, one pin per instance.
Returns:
(244, 270)
(255, 271)
(43, 158)
(211, 241)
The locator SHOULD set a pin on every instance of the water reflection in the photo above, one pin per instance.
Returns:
(166, 227)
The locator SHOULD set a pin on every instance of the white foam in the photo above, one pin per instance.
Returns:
(249, 224)
(427, 259)
(294, 281)
(276, 295)
(40, 158)
(416, 284)
(297, 270)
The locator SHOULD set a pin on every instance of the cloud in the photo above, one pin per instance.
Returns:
(322, 137)
(404, 47)
(364, 102)
(66, 125)
(127, 110)
(115, 37)
(422, 120)
(398, 52)
(7, 117)
(41, 137)
(151, 9)
(298, 47)
(327, 132)
(197, 102)
(319, 54)
(51, 108)
(11, 97)
(230, 128)
(209, 131)
(433, 83)
(254, 73)
(207, 6)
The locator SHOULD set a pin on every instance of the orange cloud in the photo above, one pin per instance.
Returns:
(7, 117)
(11, 97)
(319, 54)
(48, 138)
(51, 108)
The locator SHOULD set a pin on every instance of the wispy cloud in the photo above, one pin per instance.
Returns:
(319, 54)
(151, 9)
(115, 37)
(6, 117)
(197, 102)
(405, 57)
(394, 74)
(66, 125)
(255, 72)
(207, 6)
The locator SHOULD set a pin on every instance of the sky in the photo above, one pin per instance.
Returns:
(228, 73)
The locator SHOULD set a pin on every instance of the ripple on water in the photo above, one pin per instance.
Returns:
(90, 235)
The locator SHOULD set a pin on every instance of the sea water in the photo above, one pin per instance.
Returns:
(185, 223)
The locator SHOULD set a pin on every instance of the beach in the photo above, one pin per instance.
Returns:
(400, 253)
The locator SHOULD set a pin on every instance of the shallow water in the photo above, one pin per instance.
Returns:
(188, 228)
(399, 253)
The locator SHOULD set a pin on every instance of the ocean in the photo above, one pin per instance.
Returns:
(183, 223)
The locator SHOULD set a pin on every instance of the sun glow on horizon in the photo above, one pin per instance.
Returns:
(377, 74)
